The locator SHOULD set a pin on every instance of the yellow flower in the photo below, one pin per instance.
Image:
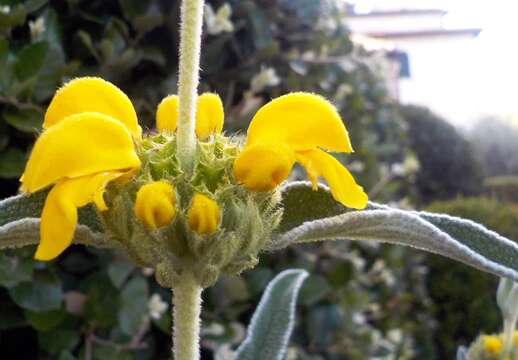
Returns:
(90, 129)
(492, 345)
(296, 128)
(154, 205)
(209, 115)
(203, 215)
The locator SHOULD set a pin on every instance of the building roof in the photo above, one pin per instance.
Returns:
(473, 32)
(402, 12)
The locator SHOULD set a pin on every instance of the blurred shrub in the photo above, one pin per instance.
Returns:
(448, 166)
(495, 141)
(502, 188)
(360, 302)
(464, 297)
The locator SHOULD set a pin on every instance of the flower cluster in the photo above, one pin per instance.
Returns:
(491, 347)
(215, 218)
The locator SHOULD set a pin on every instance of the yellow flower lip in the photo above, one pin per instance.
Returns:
(209, 115)
(155, 204)
(203, 215)
(296, 127)
(59, 216)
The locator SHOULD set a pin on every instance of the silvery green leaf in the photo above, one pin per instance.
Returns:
(19, 223)
(456, 238)
(273, 320)
(30, 206)
(21, 206)
(462, 353)
(302, 204)
(26, 232)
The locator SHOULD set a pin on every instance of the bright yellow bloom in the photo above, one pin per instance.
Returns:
(90, 94)
(155, 204)
(492, 345)
(203, 215)
(209, 115)
(297, 127)
(90, 129)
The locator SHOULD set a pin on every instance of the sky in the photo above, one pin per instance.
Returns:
(492, 83)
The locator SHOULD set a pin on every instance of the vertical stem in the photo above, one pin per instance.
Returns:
(190, 43)
(508, 337)
(186, 318)
(509, 327)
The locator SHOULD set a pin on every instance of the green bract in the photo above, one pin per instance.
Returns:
(247, 221)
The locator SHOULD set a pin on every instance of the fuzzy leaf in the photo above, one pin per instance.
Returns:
(295, 199)
(273, 320)
(26, 232)
(19, 225)
(30, 206)
(462, 353)
(455, 238)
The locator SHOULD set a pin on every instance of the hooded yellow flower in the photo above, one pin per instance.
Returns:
(209, 115)
(298, 127)
(88, 141)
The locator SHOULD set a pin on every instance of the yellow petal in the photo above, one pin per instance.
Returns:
(203, 215)
(91, 94)
(343, 187)
(303, 121)
(154, 205)
(80, 145)
(98, 195)
(263, 166)
(59, 216)
(209, 115)
(167, 114)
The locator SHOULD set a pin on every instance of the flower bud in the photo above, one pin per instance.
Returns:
(209, 115)
(492, 345)
(155, 204)
(167, 114)
(204, 215)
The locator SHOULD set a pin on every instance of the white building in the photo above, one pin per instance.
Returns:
(436, 71)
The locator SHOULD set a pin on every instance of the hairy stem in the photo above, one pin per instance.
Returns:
(509, 327)
(186, 318)
(190, 43)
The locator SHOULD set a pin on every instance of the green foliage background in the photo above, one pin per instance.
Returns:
(361, 301)
(460, 290)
